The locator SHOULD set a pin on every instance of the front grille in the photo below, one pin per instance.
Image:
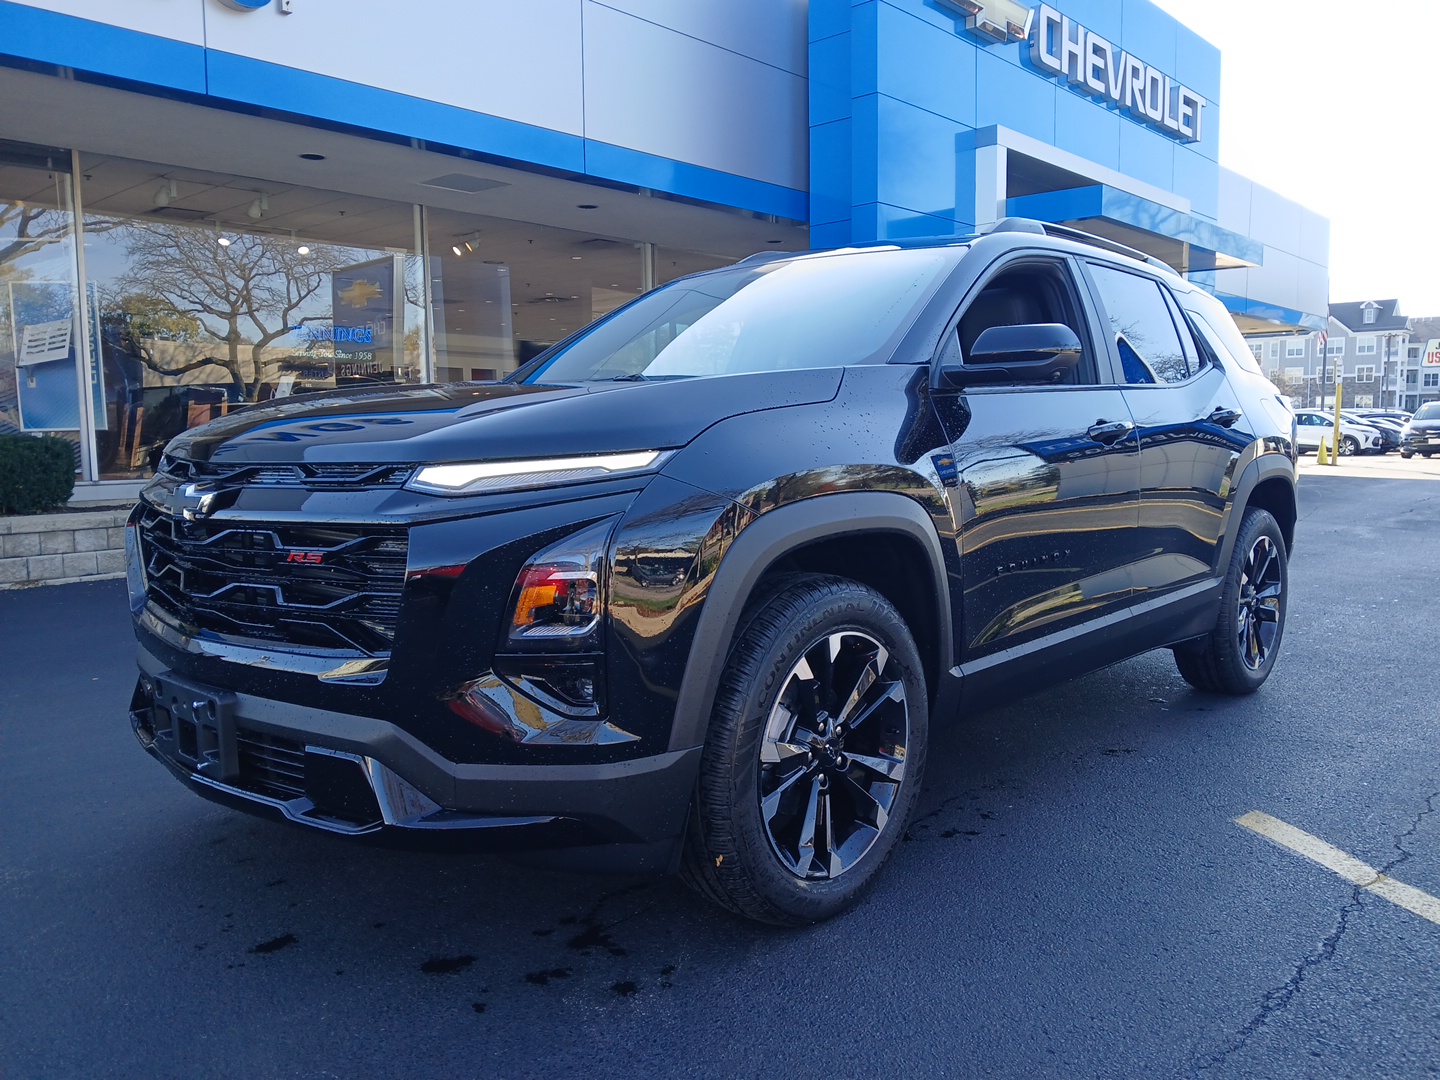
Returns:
(327, 586)
(270, 766)
(301, 474)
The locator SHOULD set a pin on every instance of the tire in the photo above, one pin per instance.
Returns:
(818, 731)
(1239, 654)
(1426, 453)
(1349, 445)
(1407, 454)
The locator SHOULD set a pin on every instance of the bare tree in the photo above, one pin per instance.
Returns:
(247, 295)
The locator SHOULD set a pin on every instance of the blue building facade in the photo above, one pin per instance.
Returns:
(943, 116)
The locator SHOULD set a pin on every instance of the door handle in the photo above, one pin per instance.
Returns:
(1109, 432)
(1223, 416)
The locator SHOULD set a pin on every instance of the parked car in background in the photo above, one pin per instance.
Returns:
(1389, 429)
(1422, 433)
(1311, 426)
(1400, 416)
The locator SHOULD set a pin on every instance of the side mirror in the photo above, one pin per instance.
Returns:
(1029, 353)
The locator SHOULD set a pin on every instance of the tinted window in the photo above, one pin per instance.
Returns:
(1430, 411)
(823, 311)
(1145, 333)
(1026, 293)
(1224, 328)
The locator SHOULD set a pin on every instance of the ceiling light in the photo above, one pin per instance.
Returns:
(456, 248)
(585, 206)
(256, 210)
(223, 241)
(166, 194)
(576, 258)
(303, 250)
(313, 157)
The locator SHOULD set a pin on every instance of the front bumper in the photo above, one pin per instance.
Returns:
(362, 777)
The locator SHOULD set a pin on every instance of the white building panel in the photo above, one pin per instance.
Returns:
(661, 92)
(775, 32)
(180, 20)
(520, 61)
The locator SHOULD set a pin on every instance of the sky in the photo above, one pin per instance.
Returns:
(1335, 104)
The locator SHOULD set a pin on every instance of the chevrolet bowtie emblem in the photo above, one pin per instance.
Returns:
(207, 501)
(1003, 20)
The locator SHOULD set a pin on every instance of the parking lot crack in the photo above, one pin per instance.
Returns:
(1429, 808)
(1277, 999)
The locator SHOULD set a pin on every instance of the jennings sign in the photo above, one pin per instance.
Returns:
(1083, 58)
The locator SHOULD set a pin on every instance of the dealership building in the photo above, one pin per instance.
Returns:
(208, 203)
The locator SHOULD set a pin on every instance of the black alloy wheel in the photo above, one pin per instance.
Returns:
(812, 763)
(1237, 656)
(832, 760)
(1259, 609)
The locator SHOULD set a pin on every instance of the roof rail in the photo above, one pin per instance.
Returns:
(768, 256)
(1080, 236)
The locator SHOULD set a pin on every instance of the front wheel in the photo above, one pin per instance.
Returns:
(812, 764)
(1238, 655)
(1349, 445)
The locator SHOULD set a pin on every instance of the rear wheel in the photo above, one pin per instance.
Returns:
(1238, 655)
(813, 760)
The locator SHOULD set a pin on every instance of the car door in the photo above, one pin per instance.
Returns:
(1045, 477)
(1190, 429)
(1309, 426)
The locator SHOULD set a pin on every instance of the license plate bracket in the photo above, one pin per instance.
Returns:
(201, 726)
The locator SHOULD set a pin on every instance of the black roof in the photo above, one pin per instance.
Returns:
(1387, 317)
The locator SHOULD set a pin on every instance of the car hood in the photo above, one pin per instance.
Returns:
(1424, 425)
(485, 421)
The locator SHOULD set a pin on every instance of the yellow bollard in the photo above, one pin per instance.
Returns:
(1321, 458)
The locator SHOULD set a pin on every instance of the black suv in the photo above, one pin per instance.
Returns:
(1422, 434)
(687, 590)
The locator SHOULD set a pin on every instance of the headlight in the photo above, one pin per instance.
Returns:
(558, 598)
(483, 477)
(553, 649)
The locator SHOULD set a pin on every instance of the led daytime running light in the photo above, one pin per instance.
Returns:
(482, 476)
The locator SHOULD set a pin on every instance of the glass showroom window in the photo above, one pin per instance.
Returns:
(40, 318)
(503, 291)
(213, 293)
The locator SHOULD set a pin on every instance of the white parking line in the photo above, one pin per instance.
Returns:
(1346, 865)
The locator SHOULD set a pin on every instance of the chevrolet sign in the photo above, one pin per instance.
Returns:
(1068, 51)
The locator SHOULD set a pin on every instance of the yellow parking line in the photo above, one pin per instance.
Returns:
(1346, 865)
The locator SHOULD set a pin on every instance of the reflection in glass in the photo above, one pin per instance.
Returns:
(811, 312)
(197, 316)
(39, 317)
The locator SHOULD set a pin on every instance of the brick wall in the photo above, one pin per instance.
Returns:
(55, 548)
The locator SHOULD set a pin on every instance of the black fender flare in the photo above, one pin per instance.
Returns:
(757, 548)
(1265, 466)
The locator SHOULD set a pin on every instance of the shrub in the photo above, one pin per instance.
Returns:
(36, 474)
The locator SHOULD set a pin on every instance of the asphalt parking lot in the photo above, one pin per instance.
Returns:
(1077, 898)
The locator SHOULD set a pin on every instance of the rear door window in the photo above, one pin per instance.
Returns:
(1144, 332)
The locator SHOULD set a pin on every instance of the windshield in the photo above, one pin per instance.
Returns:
(826, 311)
(1429, 411)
